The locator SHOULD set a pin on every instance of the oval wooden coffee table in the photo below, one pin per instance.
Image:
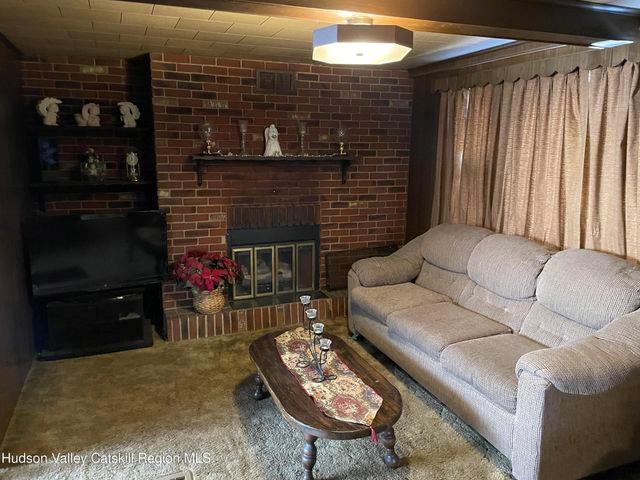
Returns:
(297, 408)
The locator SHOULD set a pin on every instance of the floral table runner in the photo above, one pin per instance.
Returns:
(347, 398)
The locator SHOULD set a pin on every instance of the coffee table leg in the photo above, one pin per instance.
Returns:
(309, 455)
(388, 439)
(260, 392)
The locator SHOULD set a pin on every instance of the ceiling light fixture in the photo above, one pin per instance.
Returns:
(359, 42)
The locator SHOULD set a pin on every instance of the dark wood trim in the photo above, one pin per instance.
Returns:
(576, 23)
(422, 161)
(512, 51)
(202, 161)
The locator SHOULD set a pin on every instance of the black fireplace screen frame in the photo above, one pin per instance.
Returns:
(256, 237)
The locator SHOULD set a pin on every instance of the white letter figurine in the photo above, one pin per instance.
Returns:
(272, 148)
(129, 113)
(90, 116)
(48, 110)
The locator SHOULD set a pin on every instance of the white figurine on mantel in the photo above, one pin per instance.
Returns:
(90, 116)
(272, 148)
(48, 110)
(129, 113)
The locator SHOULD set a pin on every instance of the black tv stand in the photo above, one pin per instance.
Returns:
(94, 323)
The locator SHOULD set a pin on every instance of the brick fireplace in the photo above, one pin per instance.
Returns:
(367, 211)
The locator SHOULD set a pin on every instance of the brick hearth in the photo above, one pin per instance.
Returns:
(185, 324)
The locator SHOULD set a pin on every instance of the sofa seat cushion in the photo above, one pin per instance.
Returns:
(381, 301)
(489, 365)
(431, 328)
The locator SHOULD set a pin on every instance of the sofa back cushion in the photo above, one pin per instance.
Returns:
(504, 269)
(447, 283)
(508, 265)
(446, 250)
(579, 292)
(588, 287)
(449, 246)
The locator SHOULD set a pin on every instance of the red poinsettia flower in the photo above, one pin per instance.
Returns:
(205, 271)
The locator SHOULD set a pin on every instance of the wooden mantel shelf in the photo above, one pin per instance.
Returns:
(203, 160)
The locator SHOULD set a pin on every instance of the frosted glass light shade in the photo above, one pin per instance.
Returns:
(361, 44)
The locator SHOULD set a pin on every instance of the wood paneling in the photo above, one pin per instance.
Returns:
(424, 123)
(16, 341)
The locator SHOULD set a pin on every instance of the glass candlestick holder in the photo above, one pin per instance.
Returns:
(341, 135)
(243, 125)
(302, 130)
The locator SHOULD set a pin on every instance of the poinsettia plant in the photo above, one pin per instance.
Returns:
(205, 272)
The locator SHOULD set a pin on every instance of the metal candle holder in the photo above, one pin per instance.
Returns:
(317, 346)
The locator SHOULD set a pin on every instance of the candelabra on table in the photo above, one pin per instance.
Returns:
(318, 347)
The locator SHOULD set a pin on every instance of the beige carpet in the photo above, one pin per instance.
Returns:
(194, 397)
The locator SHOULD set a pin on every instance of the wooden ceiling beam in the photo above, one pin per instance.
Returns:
(555, 21)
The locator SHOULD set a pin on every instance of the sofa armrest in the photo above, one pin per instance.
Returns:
(592, 365)
(399, 267)
(377, 271)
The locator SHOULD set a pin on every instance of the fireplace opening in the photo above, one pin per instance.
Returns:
(275, 261)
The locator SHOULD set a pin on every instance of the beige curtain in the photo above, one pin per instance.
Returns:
(555, 159)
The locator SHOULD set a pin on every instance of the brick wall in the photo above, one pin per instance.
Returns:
(367, 211)
(62, 77)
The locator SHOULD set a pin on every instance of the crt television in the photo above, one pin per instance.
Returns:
(87, 253)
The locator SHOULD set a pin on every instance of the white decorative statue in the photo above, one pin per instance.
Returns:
(272, 148)
(90, 116)
(48, 110)
(129, 113)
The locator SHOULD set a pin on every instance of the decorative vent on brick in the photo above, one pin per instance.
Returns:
(275, 82)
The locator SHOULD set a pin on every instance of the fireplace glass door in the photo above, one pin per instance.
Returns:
(274, 269)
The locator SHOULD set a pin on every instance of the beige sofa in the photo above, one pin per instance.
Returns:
(538, 351)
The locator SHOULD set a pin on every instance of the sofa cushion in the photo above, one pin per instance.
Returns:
(449, 246)
(551, 328)
(377, 271)
(379, 302)
(448, 283)
(504, 310)
(489, 365)
(589, 287)
(508, 265)
(431, 328)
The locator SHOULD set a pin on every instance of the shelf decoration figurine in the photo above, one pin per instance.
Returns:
(90, 116)
(272, 146)
(302, 130)
(243, 125)
(208, 145)
(48, 109)
(129, 113)
(92, 167)
(133, 166)
(341, 139)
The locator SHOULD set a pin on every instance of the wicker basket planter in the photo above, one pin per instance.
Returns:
(209, 303)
